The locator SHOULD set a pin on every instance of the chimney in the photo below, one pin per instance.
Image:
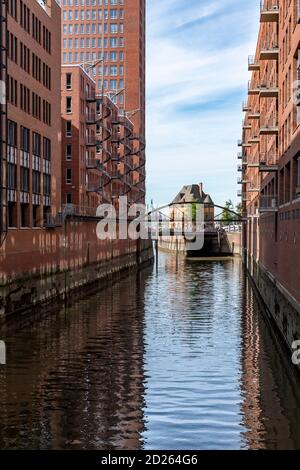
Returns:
(200, 188)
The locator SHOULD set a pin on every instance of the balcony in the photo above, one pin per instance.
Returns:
(268, 163)
(92, 119)
(240, 168)
(268, 130)
(116, 174)
(95, 188)
(246, 125)
(243, 144)
(240, 155)
(253, 164)
(94, 164)
(253, 115)
(268, 204)
(239, 193)
(253, 89)
(92, 142)
(254, 140)
(269, 11)
(245, 107)
(253, 64)
(91, 97)
(242, 180)
(269, 53)
(268, 91)
(253, 189)
(52, 221)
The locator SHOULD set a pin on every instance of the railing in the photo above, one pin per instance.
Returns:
(91, 96)
(251, 60)
(251, 85)
(268, 84)
(266, 46)
(269, 203)
(92, 118)
(92, 141)
(268, 129)
(52, 221)
(269, 5)
(267, 159)
(71, 210)
(253, 63)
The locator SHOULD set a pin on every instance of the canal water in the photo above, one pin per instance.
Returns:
(178, 356)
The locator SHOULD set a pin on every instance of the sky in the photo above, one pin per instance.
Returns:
(197, 61)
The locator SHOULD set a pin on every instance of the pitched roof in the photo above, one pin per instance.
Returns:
(193, 192)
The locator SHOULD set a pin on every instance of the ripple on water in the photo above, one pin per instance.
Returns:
(175, 358)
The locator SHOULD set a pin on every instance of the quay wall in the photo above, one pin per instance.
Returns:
(281, 306)
(230, 244)
(39, 267)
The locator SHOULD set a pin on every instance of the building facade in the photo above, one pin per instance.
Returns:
(30, 114)
(107, 37)
(182, 209)
(270, 162)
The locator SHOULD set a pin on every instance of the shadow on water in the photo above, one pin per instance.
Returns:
(174, 357)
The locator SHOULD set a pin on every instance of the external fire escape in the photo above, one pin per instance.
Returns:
(103, 112)
(3, 121)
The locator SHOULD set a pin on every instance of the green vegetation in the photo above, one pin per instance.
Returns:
(227, 216)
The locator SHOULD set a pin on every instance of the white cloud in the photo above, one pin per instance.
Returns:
(194, 91)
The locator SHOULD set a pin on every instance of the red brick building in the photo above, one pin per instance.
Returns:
(30, 117)
(270, 162)
(80, 178)
(97, 145)
(108, 38)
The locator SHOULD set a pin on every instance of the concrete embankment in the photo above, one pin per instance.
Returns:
(224, 244)
(281, 306)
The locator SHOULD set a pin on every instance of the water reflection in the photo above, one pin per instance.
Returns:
(75, 380)
(271, 393)
(178, 357)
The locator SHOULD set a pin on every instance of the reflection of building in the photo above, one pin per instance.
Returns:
(270, 391)
(87, 376)
(180, 212)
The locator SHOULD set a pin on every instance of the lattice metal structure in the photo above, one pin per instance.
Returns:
(3, 121)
